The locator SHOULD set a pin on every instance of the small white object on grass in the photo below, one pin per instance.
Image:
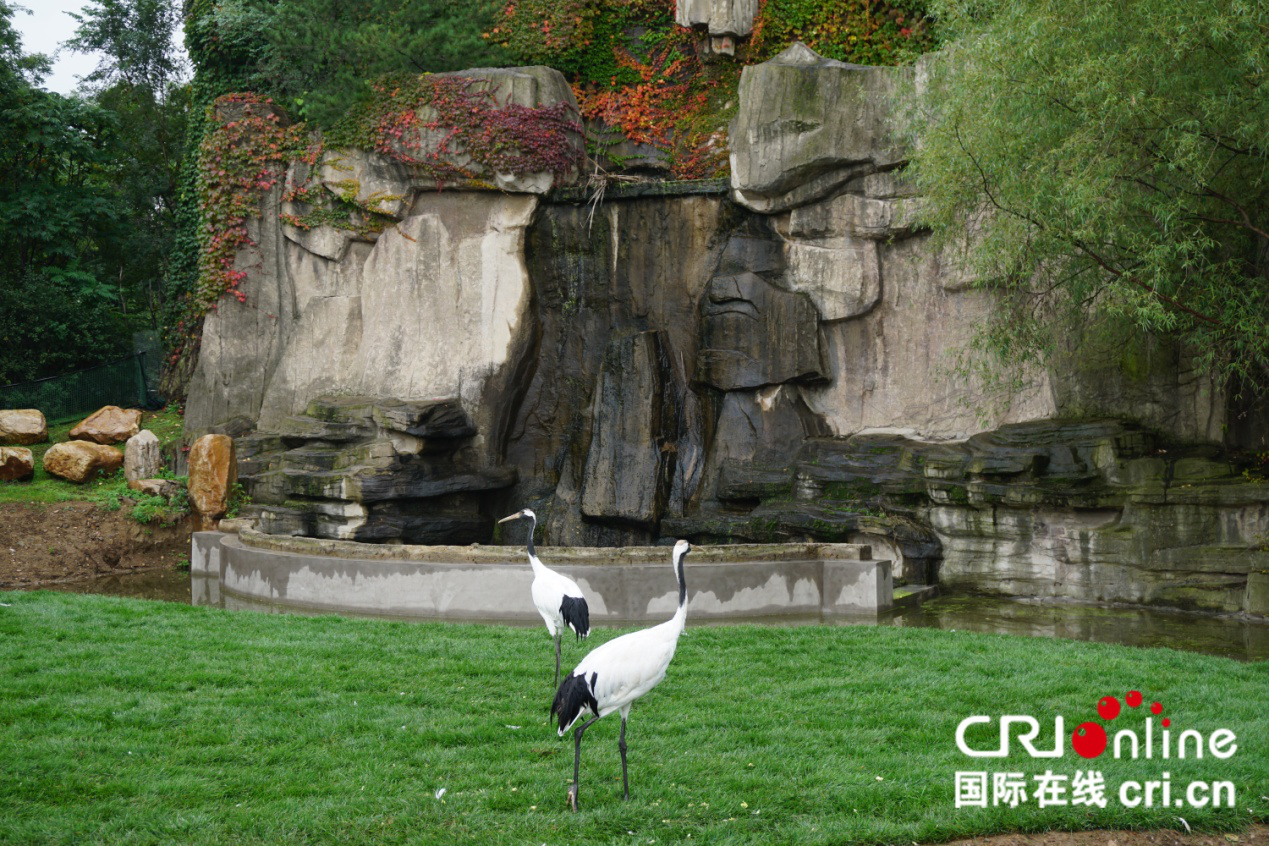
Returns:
(440, 793)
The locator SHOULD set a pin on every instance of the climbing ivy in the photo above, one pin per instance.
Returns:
(221, 66)
(239, 159)
(633, 68)
(866, 32)
(433, 123)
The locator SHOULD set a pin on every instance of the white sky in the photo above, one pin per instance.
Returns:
(44, 30)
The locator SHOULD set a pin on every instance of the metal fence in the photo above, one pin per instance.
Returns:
(121, 383)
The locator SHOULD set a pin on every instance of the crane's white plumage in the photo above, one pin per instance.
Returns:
(557, 597)
(612, 676)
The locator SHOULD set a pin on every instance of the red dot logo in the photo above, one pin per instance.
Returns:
(1108, 708)
(1156, 708)
(1088, 740)
(1166, 722)
(1133, 698)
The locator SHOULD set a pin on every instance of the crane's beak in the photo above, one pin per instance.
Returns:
(515, 516)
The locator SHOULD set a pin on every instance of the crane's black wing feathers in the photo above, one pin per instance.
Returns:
(574, 696)
(576, 614)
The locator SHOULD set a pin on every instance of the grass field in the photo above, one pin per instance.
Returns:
(126, 721)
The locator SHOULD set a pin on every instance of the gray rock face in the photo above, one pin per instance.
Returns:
(141, 456)
(1089, 510)
(630, 464)
(808, 125)
(755, 334)
(639, 267)
(435, 307)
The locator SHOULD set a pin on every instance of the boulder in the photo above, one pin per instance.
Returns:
(108, 425)
(213, 471)
(808, 125)
(17, 464)
(78, 461)
(141, 456)
(22, 426)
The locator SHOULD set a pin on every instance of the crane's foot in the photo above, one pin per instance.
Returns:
(572, 797)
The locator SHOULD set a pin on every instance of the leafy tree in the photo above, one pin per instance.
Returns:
(1111, 159)
(55, 211)
(140, 80)
(318, 56)
(135, 38)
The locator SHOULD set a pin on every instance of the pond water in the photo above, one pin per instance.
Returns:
(1223, 636)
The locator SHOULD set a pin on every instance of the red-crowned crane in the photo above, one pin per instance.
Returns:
(617, 673)
(557, 597)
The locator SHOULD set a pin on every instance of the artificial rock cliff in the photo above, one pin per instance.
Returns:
(773, 361)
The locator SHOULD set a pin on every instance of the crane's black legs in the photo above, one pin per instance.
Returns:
(557, 662)
(577, 761)
(621, 744)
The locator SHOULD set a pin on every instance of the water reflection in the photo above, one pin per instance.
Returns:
(165, 585)
(1224, 636)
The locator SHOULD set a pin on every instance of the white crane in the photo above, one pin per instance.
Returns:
(612, 676)
(557, 597)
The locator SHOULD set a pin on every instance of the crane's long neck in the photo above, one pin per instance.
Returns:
(680, 615)
(533, 555)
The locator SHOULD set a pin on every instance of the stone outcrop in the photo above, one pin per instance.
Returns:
(384, 184)
(367, 469)
(108, 425)
(79, 461)
(808, 125)
(20, 426)
(17, 464)
(213, 472)
(781, 364)
(433, 307)
(141, 456)
(1094, 510)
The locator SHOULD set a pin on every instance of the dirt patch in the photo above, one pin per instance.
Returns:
(44, 544)
(1257, 835)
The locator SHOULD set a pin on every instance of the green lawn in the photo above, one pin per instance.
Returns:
(125, 721)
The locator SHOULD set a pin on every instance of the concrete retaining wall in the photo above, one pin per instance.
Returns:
(628, 584)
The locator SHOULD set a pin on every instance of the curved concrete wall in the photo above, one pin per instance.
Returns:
(493, 583)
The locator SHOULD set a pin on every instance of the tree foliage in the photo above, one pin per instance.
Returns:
(55, 210)
(135, 39)
(87, 185)
(319, 56)
(1111, 159)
